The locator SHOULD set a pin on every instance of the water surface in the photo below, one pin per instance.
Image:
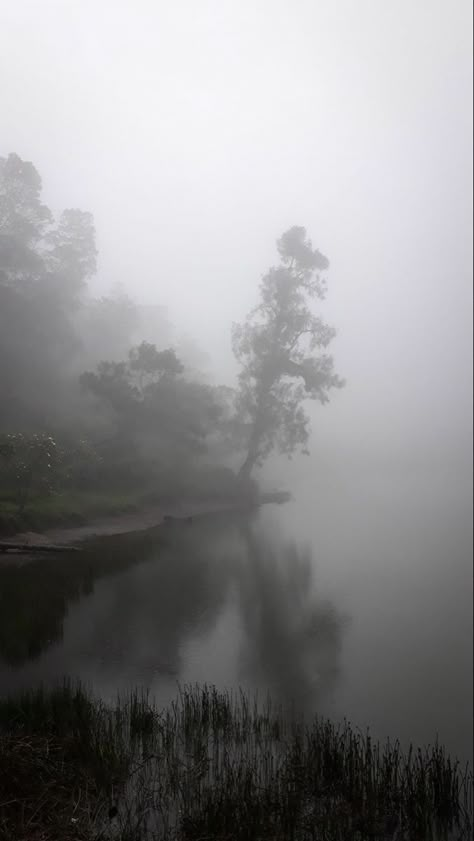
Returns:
(354, 601)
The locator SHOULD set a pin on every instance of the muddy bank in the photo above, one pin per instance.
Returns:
(147, 518)
(117, 524)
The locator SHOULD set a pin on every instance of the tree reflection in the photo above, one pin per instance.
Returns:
(156, 607)
(292, 638)
(140, 597)
(35, 597)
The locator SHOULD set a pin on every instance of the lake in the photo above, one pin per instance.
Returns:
(353, 601)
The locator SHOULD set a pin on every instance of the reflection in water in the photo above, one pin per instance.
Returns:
(35, 597)
(126, 609)
(292, 638)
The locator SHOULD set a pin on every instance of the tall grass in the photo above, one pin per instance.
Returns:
(214, 765)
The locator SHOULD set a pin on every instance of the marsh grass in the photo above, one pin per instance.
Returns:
(213, 765)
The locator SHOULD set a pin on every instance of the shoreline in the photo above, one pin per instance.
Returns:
(126, 523)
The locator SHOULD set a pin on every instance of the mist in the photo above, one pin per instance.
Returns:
(236, 269)
(196, 137)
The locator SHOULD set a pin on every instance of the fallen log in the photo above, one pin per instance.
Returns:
(36, 547)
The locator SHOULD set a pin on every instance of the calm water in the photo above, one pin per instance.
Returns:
(355, 601)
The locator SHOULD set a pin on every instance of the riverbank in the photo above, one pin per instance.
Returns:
(136, 520)
(66, 510)
(80, 508)
(212, 765)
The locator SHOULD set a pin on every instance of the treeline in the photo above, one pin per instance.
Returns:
(94, 397)
(84, 404)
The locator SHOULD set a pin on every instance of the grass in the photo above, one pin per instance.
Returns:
(213, 765)
(71, 508)
(74, 507)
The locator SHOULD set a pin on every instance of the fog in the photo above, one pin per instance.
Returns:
(196, 134)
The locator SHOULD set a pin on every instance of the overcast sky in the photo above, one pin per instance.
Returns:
(196, 132)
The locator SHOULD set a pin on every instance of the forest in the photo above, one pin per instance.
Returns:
(102, 410)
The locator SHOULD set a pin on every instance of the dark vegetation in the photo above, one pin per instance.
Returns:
(99, 411)
(212, 766)
(93, 419)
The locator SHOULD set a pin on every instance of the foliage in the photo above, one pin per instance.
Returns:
(44, 266)
(151, 364)
(145, 415)
(71, 254)
(36, 464)
(162, 419)
(282, 352)
(32, 463)
(111, 383)
(23, 218)
(36, 250)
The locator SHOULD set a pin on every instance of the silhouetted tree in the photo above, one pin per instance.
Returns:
(151, 364)
(276, 349)
(111, 383)
(72, 254)
(164, 417)
(44, 267)
(23, 220)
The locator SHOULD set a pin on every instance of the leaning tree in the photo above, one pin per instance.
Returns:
(281, 348)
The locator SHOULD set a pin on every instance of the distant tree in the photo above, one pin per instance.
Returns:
(181, 415)
(167, 418)
(111, 384)
(151, 364)
(276, 350)
(72, 255)
(125, 385)
(23, 218)
(44, 267)
(23, 223)
(32, 245)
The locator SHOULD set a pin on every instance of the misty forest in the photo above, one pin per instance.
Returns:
(236, 421)
(89, 408)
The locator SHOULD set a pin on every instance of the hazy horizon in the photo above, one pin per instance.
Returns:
(196, 134)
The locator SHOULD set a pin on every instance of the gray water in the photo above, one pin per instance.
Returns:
(354, 600)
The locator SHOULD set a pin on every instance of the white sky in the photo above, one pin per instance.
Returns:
(196, 132)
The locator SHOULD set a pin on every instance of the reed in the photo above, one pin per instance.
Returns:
(213, 765)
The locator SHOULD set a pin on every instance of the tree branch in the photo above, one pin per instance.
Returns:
(298, 336)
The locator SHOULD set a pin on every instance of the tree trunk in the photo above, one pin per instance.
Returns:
(252, 454)
(246, 469)
(258, 428)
